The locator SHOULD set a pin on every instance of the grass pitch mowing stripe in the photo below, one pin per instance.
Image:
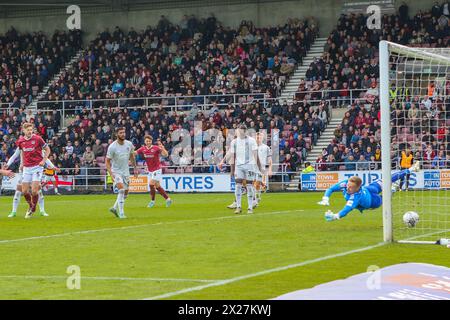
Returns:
(147, 225)
(198, 238)
(33, 277)
(262, 273)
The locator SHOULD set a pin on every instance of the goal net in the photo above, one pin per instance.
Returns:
(415, 124)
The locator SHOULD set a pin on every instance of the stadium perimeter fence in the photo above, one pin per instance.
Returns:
(87, 179)
(69, 108)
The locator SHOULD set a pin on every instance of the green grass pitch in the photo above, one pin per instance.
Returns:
(196, 249)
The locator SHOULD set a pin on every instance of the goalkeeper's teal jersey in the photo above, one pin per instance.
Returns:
(365, 198)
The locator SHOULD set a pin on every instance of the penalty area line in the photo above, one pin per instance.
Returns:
(262, 273)
(59, 235)
(268, 271)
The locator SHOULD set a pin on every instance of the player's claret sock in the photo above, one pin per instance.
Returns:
(152, 192)
(35, 200)
(162, 192)
(27, 197)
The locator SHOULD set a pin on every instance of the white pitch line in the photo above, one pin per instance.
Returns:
(105, 278)
(264, 272)
(425, 235)
(261, 273)
(58, 235)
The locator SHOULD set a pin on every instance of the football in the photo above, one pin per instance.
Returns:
(410, 219)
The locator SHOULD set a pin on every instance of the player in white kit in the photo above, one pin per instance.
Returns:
(243, 155)
(265, 159)
(119, 154)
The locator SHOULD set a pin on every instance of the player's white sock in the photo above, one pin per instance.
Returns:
(56, 189)
(250, 195)
(238, 194)
(41, 201)
(258, 194)
(16, 200)
(121, 201)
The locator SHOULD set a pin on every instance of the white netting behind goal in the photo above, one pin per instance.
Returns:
(419, 88)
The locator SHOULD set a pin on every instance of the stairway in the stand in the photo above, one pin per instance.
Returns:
(315, 51)
(322, 142)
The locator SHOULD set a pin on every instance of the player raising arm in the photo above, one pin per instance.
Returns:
(360, 197)
(120, 152)
(151, 154)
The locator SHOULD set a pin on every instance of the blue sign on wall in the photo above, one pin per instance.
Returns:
(432, 179)
(308, 182)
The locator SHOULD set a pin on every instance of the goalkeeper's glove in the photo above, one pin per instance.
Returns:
(330, 216)
(325, 201)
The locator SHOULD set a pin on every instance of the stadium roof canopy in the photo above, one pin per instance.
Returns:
(27, 8)
(11, 8)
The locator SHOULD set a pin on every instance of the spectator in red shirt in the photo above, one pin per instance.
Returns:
(359, 120)
(321, 163)
(367, 120)
(428, 155)
(42, 130)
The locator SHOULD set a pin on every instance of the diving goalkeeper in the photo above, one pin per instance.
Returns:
(360, 197)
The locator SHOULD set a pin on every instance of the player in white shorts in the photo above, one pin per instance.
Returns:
(119, 154)
(243, 153)
(18, 193)
(34, 153)
(151, 154)
(265, 159)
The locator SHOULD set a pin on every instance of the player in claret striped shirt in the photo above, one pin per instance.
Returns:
(17, 195)
(151, 153)
(34, 154)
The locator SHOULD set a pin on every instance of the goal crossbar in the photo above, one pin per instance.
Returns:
(421, 53)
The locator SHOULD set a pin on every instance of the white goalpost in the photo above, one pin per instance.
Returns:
(415, 118)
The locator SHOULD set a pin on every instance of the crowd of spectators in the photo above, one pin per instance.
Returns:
(196, 57)
(199, 57)
(29, 60)
(350, 59)
(422, 124)
(419, 123)
(85, 140)
(356, 145)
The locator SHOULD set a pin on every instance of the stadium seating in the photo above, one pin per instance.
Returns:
(351, 53)
(29, 60)
(350, 59)
(170, 60)
(209, 59)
